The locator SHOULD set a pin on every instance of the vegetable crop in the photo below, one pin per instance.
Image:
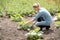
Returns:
(58, 17)
(33, 35)
(16, 17)
(23, 26)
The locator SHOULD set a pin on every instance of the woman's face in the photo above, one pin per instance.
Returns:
(36, 8)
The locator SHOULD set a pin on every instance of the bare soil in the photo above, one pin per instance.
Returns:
(8, 31)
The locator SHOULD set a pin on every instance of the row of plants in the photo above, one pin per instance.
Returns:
(32, 34)
(24, 7)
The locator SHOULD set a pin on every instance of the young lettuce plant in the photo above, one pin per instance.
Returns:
(23, 26)
(16, 17)
(33, 35)
(57, 24)
(58, 18)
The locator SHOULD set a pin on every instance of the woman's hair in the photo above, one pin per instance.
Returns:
(36, 5)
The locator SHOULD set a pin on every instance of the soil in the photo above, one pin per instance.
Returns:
(8, 31)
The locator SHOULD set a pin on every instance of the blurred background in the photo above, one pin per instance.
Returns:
(24, 7)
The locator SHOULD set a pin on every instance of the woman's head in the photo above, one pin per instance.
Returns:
(36, 6)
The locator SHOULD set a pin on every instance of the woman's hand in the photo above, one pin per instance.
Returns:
(34, 22)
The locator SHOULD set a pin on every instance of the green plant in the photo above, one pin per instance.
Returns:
(22, 25)
(57, 24)
(33, 36)
(10, 13)
(24, 7)
(36, 29)
(1, 14)
(58, 17)
(16, 17)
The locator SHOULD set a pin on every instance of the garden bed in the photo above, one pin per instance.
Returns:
(9, 31)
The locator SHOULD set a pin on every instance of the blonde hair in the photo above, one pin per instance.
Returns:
(36, 4)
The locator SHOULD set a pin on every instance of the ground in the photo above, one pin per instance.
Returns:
(8, 31)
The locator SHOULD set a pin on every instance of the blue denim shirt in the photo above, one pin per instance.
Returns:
(43, 13)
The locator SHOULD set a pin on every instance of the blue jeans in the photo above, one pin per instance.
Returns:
(41, 23)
